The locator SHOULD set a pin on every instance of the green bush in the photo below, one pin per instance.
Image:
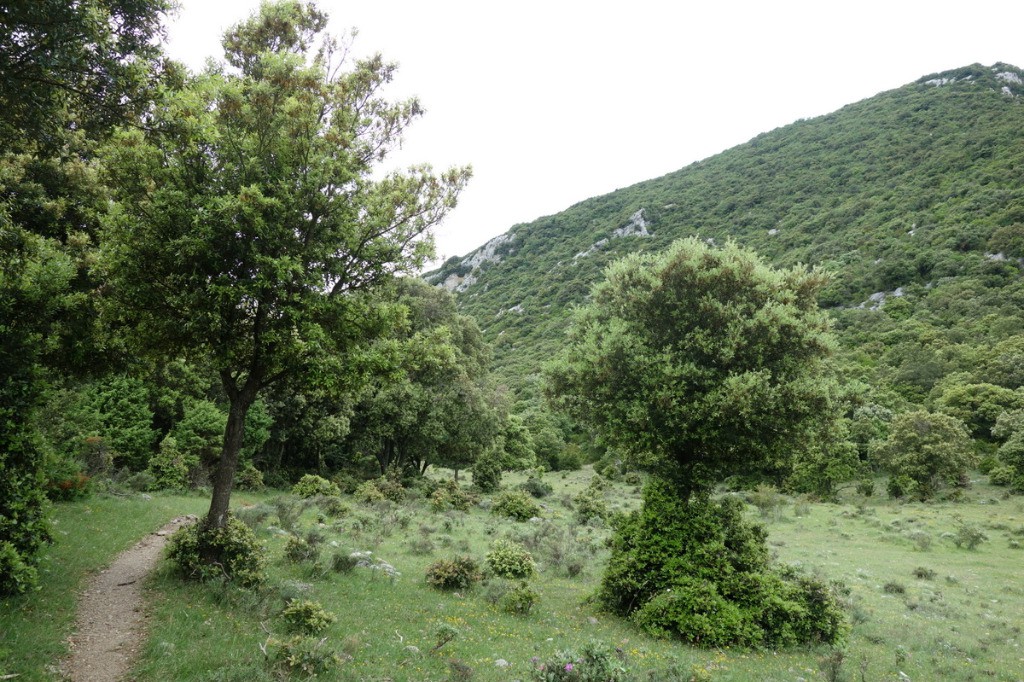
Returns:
(450, 495)
(487, 472)
(590, 504)
(234, 551)
(368, 493)
(249, 478)
(508, 559)
(594, 662)
(170, 467)
(1001, 475)
(312, 485)
(298, 550)
(697, 570)
(968, 536)
(307, 617)
(304, 655)
(332, 506)
(536, 487)
(519, 600)
(453, 574)
(515, 504)
(16, 574)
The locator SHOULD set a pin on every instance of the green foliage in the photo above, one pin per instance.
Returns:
(924, 451)
(170, 467)
(250, 236)
(589, 503)
(536, 486)
(509, 559)
(17, 573)
(450, 496)
(487, 472)
(978, 406)
(698, 571)
(305, 655)
(199, 434)
(231, 552)
(307, 617)
(298, 550)
(249, 478)
(312, 485)
(519, 600)
(968, 535)
(453, 574)
(1002, 475)
(700, 363)
(369, 493)
(515, 504)
(594, 662)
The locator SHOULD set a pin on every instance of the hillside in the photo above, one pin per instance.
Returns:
(913, 199)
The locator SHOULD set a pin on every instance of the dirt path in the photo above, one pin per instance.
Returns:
(110, 627)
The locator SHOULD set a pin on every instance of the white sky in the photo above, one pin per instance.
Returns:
(556, 101)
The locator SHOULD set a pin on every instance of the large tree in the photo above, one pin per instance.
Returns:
(249, 218)
(700, 363)
(67, 70)
(433, 403)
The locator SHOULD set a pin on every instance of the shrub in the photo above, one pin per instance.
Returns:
(923, 573)
(345, 481)
(453, 574)
(697, 570)
(307, 617)
(332, 506)
(515, 504)
(304, 654)
(508, 559)
(237, 555)
(249, 478)
(594, 662)
(487, 472)
(74, 486)
(312, 485)
(633, 478)
(929, 449)
(968, 536)
(16, 574)
(369, 493)
(1001, 475)
(536, 487)
(170, 467)
(343, 563)
(519, 600)
(288, 510)
(450, 495)
(253, 516)
(590, 503)
(866, 487)
(298, 550)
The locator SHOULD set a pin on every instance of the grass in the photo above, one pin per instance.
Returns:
(956, 616)
(87, 536)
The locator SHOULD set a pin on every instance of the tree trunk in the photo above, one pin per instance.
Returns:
(224, 477)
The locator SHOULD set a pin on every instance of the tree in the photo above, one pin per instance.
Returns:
(66, 71)
(431, 401)
(248, 223)
(924, 450)
(93, 56)
(700, 363)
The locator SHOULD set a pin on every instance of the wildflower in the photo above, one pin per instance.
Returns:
(568, 667)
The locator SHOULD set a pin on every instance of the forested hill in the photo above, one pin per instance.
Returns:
(914, 199)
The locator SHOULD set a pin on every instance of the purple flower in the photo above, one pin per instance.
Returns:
(568, 667)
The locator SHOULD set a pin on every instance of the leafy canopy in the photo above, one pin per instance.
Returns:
(700, 363)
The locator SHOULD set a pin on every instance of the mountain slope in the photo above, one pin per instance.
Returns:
(904, 195)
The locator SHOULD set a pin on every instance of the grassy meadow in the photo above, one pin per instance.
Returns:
(924, 604)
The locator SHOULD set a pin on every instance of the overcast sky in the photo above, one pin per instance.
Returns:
(556, 101)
